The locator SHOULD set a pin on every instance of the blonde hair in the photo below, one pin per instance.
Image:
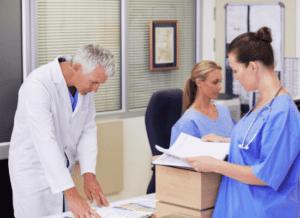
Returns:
(199, 71)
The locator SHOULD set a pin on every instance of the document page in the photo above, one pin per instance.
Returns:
(138, 208)
(190, 146)
(134, 208)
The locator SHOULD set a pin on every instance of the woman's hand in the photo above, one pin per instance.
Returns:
(202, 164)
(214, 138)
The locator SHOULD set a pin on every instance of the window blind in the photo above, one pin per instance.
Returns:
(143, 82)
(65, 25)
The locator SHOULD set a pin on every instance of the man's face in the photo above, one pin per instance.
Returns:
(89, 82)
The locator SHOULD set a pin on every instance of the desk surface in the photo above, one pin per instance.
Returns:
(112, 204)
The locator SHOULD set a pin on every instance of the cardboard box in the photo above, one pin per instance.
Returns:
(163, 209)
(175, 215)
(187, 188)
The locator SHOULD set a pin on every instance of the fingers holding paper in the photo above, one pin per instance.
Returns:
(202, 163)
(214, 138)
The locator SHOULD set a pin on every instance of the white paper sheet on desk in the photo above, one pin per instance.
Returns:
(118, 213)
(114, 212)
(190, 146)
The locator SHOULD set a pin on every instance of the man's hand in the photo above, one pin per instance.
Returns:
(78, 206)
(93, 189)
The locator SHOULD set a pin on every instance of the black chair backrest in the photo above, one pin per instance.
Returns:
(163, 111)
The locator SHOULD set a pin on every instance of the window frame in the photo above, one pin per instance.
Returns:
(30, 53)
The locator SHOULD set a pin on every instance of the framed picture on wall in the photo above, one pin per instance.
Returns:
(163, 45)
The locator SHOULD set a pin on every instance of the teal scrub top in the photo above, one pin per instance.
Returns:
(198, 125)
(274, 158)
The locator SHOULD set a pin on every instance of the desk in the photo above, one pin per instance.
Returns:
(112, 204)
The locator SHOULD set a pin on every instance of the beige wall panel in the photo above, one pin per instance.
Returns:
(109, 169)
(290, 28)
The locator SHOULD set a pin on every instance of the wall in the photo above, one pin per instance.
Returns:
(137, 159)
(208, 30)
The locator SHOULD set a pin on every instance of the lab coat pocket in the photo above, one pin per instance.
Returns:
(29, 170)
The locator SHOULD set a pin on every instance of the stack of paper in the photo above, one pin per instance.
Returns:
(190, 146)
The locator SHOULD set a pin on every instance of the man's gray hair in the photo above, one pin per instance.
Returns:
(91, 56)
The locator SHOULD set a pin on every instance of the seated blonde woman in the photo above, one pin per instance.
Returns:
(200, 117)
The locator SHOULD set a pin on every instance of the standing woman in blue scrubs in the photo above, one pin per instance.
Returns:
(200, 116)
(261, 177)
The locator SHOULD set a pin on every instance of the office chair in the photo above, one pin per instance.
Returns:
(163, 111)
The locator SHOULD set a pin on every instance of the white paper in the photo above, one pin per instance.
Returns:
(119, 213)
(190, 146)
(236, 21)
(290, 77)
(169, 160)
(113, 212)
(269, 16)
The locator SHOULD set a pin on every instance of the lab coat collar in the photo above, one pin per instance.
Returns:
(58, 76)
(62, 87)
(61, 84)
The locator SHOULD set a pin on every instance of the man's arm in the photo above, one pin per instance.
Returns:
(87, 151)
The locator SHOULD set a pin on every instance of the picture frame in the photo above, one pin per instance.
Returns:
(163, 45)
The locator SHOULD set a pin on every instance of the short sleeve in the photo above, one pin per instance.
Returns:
(280, 146)
(186, 126)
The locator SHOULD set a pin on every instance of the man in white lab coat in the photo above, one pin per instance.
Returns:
(54, 124)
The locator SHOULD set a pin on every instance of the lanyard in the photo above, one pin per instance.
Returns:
(242, 146)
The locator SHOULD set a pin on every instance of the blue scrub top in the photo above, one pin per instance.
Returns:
(198, 125)
(274, 158)
(73, 99)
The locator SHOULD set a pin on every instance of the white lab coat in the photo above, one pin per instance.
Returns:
(44, 129)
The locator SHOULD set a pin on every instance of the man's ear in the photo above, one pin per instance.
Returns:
(77, 67)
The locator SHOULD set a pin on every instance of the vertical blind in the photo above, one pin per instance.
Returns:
(142, 82)
(65, 25)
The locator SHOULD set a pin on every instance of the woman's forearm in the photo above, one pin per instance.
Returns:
(238, 172)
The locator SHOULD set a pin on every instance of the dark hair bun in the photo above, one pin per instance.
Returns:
(264, 34)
